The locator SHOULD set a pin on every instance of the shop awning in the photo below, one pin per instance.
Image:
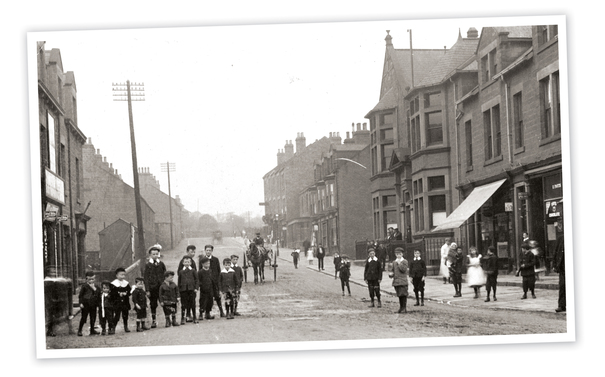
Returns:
(470, 205)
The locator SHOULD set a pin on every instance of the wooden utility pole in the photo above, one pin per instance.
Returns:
(139, 95)
(168, 167)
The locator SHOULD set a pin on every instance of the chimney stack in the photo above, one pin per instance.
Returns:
(472, 33)
(361, 136)
(348, 140)
(280, 156)
(289, 149)
(335, 138)
(301, 142)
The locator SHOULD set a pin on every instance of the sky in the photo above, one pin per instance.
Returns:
(221, 100)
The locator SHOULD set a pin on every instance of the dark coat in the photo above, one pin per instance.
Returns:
(239, 274)
(400, 273)
(417, 268)
(336, 261)
(139, 297)
(169, 293)
(490, 265)
(154, 275)
(228, 281)
(193, 265)
(345, 270)
(528, 261)
(372, 270)
(206, 281)
(188, 279)
(457, 264)
(120, 302)
(89, 297)
(559, 257)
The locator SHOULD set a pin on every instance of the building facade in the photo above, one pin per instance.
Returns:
(64, 204)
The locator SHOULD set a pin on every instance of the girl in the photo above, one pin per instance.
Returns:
(475, 274)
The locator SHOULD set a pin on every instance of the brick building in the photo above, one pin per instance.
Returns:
(166, 235)
(509, 134)
(64, 218)
(283, 184)
(336, 203)
(111, 199)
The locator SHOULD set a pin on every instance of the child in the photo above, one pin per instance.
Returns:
(456, 270)
(89, 300)
(154, 277)
(345, 273)
(239, 274)
(190, 253)
(527, 270)
(139, 299)
(474, 274)
(169, 298)
(105, 308)
(207, 285)
(119, 296)
(336, 264)
(310, 255)
(188, 289)
(372, 275)
(418, 274)
(227, 285)
(295, 255)
(399, 274)
(215, 268)
(490, 266)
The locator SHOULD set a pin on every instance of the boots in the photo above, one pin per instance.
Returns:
(183, 317)
(422, 298)
(139, 329)
(154, 324)
(194, 319)
(168, 324)
(372, 304)
(144, 326)
(126, 329)
(208, 316)
(417, 300)
(379, 305)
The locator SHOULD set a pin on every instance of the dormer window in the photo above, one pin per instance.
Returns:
(489, 66)
(547, 32)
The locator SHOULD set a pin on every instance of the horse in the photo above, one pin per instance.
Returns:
(256, 256)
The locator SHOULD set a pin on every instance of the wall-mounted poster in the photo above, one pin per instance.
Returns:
(502, 249)
(554, 209)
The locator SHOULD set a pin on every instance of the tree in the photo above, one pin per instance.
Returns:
(207, 224)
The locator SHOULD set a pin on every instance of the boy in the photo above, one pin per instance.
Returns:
(188, 289)
(215, 268)
(105, 308)
(227, 286)
(169, 298)
(345, 273)
(528, 261)
(398, 271)
(89, 300)
(490, 266)
(207, 284)
(139, 299)
(190, 252)
(336, 264)
(372, 275)
(239, 274)
(154, 277)
(418, 273)
(456, 270)
(295, 255)
(119, 296)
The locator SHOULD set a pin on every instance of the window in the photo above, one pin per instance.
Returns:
(434, 128)
(52, 163)
(518, 120)
(432, 99)
(374, 160)
(61, 170)
(469, 143)
(331, 195)
(436, 183)
(437, 210)
(386, 119)
(388, 200)
(390, 219)
(386, 134)
(489, 67)
(547, 32)
(493, 135)
(387, 151)
(550, 106)
(415, 133)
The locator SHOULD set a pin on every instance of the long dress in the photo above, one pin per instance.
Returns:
(475, 275)
(443, 270)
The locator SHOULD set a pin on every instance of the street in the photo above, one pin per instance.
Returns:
(306, 305)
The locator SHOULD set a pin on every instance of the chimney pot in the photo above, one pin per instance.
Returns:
(358, 126)
(365, 126)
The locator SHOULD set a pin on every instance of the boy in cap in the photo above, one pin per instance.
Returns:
(372, 275)
(227, 285)
(120, 298)
(418, 274)
(239, 274)
(490, 266)
(139, 299)
(456, 266)
(528, 273)
(344, 267)
(188, 285)
(89, 300)
(399, 274)
(207, 285)
(169, 298)
(154, 277)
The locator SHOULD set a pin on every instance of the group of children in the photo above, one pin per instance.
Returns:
(158, 287)
(481, 270)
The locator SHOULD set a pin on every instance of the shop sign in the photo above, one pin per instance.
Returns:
(522, 196)
(508, 206)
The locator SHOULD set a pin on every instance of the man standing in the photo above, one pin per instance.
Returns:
(397, 235)
(559, 265)
(321, 253)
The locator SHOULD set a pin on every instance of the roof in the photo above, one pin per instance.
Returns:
(388, 101)
(424, 59)
(513, 31)
(457, 55)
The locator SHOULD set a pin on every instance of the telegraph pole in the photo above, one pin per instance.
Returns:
(139, 95)
(168, 167)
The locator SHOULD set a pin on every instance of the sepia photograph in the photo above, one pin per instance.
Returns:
(329, 185)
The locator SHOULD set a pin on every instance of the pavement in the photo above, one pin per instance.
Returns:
(509, 288)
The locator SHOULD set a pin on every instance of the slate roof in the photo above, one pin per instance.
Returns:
(457, 55)
(514, 31)
(424, 59)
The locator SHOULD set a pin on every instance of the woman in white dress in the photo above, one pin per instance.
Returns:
(475, 275)
(444, 271)
(310, 255)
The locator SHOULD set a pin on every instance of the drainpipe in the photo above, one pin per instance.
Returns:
(508, 134)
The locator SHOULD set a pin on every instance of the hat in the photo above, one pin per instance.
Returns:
(154, 247)
(453, 244)
(158, 246)
(204, 260)
(371, 249)
(399, 250)
(258, 234)
(344, 256)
